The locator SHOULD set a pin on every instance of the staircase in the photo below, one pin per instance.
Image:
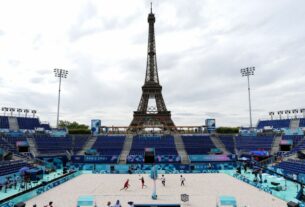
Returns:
(13, 123)
(293, 156)
(218, 144)
(181, 149)
(235, 148)
(89, 144)
(294, 123)
(126, 149)
(276, 145)
(32, 146)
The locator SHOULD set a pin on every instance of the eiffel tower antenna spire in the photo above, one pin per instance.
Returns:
(151, 7)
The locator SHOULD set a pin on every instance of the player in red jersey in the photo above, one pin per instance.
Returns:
(126, 185)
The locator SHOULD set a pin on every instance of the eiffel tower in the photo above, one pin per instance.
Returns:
(149, 116)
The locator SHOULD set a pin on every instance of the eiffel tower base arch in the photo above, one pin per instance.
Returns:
(160, 120)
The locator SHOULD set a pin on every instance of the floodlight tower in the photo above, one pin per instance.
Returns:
(34, 112)
(19, 111)
(287, 112)
(271, 114)
(303, 111)
(26, 111)
(59, 73)
(280, 113)
(295, 112)
(247, 72)
(5, 109)
(12, 111)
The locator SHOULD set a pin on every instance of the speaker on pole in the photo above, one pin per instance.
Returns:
(149, 155)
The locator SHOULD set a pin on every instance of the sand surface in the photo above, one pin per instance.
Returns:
(203, 191)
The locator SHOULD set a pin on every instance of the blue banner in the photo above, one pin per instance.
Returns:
(209, 158)
(211, 125)
(95, 159)
(95, 126)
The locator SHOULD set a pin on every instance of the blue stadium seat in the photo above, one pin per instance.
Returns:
(28, 123)
(254, 143)
(109, 145)
(198, 144)
(228, 141)
(4, 122)
(51, 145)
(165, 149)
(292, 166)
(275, 124)
(9, 167)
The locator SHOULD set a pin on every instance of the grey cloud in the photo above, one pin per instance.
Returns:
(14, 63)
(36, 80)
(37, 41)
(90, 12)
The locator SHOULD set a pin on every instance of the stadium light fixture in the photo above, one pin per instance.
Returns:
(12, 111)
(34, 112)
(26, 111)
(271, 115)
(295, 112)
(303, 111)
(287, 112)
(59, 73)
(280, 113)
(247, 72)
(4, 109)
(19, 111)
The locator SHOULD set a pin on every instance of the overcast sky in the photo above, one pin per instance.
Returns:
(201, 47)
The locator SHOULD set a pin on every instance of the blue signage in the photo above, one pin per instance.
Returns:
(211, 125)
(94, 159)
(95, 126)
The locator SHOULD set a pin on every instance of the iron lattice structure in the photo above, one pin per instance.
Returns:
(146, 116)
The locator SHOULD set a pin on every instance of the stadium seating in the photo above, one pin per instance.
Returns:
(275, 124)
(45, 126)
(28, 123)
(292, 166)
(5, 145)
(228, 141)
(79, 142)
(11, 142)
(52, 145)
(164, 145)
(295, 138)
(9, 167)
(197, 144)
(4, 122)
(165, 149)
(109, 145)
(254, 143)
(300, 146)
(302, 122)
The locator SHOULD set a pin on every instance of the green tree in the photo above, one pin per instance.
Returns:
(72, 125)
(227, 130)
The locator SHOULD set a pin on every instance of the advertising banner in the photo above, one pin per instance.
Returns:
(95, 126)
(211, 125)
